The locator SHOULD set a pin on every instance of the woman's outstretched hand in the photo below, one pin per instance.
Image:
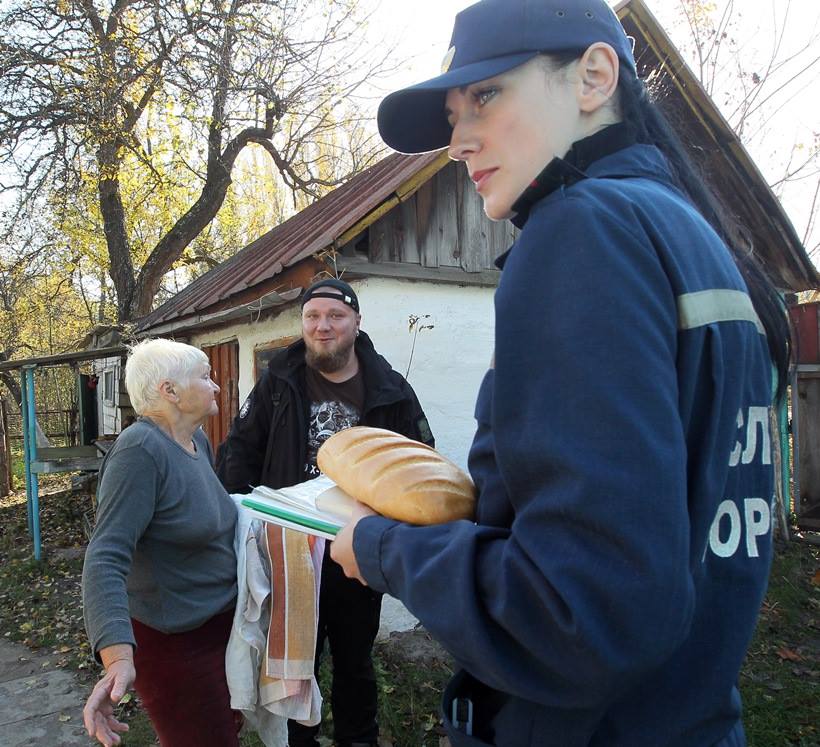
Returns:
(98, 713)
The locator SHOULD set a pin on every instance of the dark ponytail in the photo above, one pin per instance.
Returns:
(651, 126)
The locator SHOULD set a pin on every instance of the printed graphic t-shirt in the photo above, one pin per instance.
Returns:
(333, 407)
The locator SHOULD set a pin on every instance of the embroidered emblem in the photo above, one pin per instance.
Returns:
(448, 60)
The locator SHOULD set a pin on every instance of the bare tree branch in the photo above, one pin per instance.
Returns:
(83, 89)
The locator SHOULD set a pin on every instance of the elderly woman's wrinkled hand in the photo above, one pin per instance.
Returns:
(342, 548)
(98, 713)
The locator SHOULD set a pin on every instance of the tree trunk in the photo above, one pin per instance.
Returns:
(171, 246)
(200, 214)
(116, 235)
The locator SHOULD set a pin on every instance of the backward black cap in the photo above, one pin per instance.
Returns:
(348, 295)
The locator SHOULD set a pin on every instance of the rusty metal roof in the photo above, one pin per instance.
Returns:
(311, 230)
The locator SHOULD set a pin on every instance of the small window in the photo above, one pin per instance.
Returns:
(263, 353)
(108, 387)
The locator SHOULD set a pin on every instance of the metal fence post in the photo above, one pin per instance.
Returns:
(32, 452)
(26, 458)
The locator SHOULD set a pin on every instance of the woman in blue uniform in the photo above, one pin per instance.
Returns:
(609, 588)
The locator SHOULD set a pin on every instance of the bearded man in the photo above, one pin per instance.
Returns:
(330, 380)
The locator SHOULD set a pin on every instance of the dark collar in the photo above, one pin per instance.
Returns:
(563, 172)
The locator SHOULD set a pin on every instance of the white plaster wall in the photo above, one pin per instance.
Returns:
(449, 360)
(448, 363)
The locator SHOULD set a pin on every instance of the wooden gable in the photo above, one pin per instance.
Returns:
(441, 225)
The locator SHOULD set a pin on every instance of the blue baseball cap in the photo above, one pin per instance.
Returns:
(489, 38)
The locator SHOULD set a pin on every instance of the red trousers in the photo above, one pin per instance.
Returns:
(181, 682)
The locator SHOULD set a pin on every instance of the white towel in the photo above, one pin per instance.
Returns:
(267, 691)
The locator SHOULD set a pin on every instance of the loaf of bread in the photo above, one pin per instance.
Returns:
(396, 476)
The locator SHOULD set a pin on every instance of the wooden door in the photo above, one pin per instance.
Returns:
(224, 360)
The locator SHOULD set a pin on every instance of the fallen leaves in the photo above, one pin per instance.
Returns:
(786, 654)
(41, 603)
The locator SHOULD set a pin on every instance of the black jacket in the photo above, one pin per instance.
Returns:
(267, 443)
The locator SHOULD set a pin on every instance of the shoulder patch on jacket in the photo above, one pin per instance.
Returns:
(424, 429)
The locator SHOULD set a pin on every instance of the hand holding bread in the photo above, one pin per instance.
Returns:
(396, 476)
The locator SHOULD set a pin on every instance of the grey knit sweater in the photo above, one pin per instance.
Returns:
(162, 549)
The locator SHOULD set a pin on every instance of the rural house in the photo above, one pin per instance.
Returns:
(409, 233)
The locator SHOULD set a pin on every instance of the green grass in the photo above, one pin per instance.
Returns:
(409, 693)
(780, 680)
(40, 606)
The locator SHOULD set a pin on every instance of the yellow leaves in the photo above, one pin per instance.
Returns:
(700, 11)
(109, 171)
(46, 314)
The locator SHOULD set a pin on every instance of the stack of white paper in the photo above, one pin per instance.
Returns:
(316, 507)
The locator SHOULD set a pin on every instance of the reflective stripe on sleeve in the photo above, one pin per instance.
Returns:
(717, 305)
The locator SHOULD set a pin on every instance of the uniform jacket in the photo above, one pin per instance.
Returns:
(267, 443)
(609, 589)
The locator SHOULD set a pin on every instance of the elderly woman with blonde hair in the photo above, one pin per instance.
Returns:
(159, 580)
